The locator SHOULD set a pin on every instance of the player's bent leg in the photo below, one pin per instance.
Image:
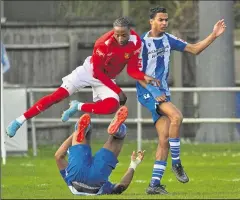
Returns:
(38, 107)
(102, 107)
(83, 127)
(120, 117)
(115, 141)
(105, 159)
(175, 117)
(155, 186)
(103, 162)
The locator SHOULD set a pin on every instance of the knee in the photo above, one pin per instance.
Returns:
(58, 95)
(111, 105)
(176, 118)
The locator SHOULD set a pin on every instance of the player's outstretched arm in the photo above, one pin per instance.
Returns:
(61, 153)
(128, 176)
(197, 48)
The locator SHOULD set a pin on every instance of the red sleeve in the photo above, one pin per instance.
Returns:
(98, 61)
(135, 63)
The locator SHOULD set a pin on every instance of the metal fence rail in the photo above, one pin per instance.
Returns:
(139, 120)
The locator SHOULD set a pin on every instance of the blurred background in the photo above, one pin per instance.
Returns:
(46, 40)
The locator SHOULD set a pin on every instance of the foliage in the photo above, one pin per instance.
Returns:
(183, 14)
(138, 11)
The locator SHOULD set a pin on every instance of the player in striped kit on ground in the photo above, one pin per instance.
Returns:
(156, 49)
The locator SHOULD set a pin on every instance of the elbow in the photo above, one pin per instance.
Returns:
(121, 188)
(194, 51)
(58, 156)
(197, 52)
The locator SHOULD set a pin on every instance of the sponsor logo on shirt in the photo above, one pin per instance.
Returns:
(100, 53)
(159, 52)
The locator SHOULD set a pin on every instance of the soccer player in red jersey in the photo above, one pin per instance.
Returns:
(115, 49)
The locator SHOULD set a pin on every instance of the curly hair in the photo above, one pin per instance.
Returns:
(122, 22)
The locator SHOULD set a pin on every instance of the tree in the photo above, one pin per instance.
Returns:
(138, 11)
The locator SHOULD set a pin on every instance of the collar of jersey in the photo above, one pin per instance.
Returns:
(155, 38)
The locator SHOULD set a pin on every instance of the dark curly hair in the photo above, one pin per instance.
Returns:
(154, 11)
(122, 22)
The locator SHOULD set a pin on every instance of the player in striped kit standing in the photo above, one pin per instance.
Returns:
(156, 49)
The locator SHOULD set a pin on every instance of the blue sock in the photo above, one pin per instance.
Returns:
(121, 132)
(158, 170)
(175, 150)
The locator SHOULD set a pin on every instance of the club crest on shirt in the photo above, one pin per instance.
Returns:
(126, 55)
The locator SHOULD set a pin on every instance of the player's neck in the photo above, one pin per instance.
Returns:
(154, 33)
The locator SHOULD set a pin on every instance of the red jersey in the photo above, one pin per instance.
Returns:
(109, 59)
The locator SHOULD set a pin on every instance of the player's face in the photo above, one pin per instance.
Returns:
(160, 22)
(121, 34)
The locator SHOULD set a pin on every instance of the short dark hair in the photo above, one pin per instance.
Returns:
(122, 22)
(154, 11)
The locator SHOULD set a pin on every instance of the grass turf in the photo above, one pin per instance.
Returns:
(213, 170)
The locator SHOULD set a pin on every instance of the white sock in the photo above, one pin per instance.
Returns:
(80, 106)
(21, 119)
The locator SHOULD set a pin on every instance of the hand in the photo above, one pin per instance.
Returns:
(158, 94)
(151, 80)
(219, 28)
(139, 158)
(122, 98)
(161, 98)
(135, 161)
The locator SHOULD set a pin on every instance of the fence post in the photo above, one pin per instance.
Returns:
(34, 140)
(139, 126)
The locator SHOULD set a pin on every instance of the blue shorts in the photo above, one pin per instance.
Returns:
(85, 168)
(150, 103)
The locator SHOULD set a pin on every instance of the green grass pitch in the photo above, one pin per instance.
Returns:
(213, 169)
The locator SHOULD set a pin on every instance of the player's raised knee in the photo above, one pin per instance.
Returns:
(176, 118)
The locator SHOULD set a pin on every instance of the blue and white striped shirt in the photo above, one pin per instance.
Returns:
(155, 58)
